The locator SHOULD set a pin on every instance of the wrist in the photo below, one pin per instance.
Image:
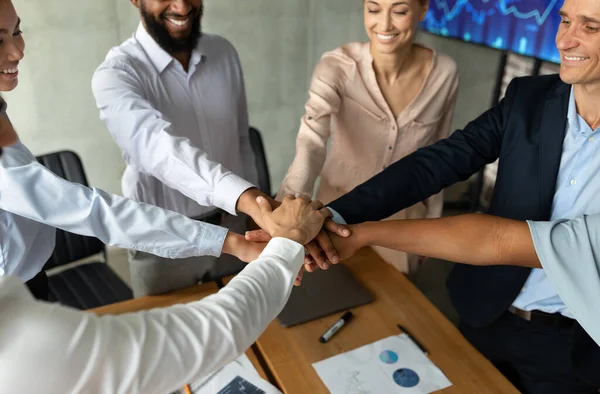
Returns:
(246, 203)
(295, 235)
(232, 243)
(363, 233)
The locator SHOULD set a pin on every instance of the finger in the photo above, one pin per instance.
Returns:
(317, 254)
(339, 229)
(263, 204)
(327, 246)
(318, 205)
(309, 264)
(298, 280)
(303, 199)
(258, 236)
(288, 197)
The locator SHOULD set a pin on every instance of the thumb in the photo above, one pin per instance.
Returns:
(339, 229)
(258, 236)
(263, 204)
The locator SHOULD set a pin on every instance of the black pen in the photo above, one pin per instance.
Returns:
(336, 326)
(413, 339)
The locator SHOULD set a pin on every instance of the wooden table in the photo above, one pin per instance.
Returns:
(177, 297)
(290, 352)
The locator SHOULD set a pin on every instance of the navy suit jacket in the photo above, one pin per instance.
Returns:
(526, 132)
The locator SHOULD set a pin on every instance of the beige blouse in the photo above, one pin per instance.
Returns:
(346, 105)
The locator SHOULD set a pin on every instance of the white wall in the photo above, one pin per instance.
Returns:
(279, 42)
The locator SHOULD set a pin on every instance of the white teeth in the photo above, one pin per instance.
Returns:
(386, 37)
(575, 58)
(178, 23)
(9, 71)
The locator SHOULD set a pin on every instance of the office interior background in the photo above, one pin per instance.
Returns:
(279, 42)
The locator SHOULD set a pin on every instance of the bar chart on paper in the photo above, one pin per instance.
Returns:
(527, 27)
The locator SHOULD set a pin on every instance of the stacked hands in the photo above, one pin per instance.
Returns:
(301, 220)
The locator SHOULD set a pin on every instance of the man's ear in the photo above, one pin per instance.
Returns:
(136, 3)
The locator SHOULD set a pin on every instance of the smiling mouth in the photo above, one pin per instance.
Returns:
(178, 22)
(9, 71)
(386, 37)
(575, 58)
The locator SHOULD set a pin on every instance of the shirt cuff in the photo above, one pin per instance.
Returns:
(291, 252)
(211, 240)
(228, 191)
(336, 216)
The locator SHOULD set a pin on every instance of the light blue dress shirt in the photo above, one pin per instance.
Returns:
(577, 192)
(568, 251)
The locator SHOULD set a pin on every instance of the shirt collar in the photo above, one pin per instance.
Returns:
(158, 56)
(572, 112)
(576, 123)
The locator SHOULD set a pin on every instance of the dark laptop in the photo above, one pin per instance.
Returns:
(323, 293)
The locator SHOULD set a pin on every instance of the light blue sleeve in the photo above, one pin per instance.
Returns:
(568, 251)
(337, 217)
(30, 190)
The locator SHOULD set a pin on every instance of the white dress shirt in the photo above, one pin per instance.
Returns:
(183, 134)
(33, 201)
(52, 349)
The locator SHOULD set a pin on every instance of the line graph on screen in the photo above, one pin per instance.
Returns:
(527, 27)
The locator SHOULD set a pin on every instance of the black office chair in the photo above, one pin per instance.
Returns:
(88, 285)
(264, 180)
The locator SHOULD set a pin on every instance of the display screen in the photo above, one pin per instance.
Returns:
(527, 27)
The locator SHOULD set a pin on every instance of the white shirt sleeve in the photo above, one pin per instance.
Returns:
(55, 350)
(145, 137)
(568, 251)
(30, 190)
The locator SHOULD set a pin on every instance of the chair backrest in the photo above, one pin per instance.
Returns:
(69, 247)
(264, 180)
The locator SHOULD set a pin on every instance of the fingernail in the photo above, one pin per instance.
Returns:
(325, 266)
(259, 199)
(346, 231)
(335, 259)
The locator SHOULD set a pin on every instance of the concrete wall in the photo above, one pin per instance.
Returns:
(279, 42)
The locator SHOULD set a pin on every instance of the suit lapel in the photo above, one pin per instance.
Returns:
(554, 124)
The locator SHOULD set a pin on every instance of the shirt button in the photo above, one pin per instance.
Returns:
(390, 148)
(573, 182)
(394, 127)
(592, 139)
(523, 289)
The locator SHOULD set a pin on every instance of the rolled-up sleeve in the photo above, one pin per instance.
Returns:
(311, 143)
(568, 251)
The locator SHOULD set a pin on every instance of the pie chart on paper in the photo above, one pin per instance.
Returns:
(405, 377)
(388, 357)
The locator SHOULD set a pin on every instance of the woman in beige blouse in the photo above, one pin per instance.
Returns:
(378, 102)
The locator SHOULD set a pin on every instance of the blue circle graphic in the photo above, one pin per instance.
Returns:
(388, 357)
(406, 377)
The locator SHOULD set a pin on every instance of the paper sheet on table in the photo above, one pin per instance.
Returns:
(234, 379)
(239, 376)
(391, 365)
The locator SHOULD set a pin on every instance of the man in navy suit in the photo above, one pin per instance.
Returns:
(545, 133)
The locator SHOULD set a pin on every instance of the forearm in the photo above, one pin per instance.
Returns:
(311, 151)
(470, 239)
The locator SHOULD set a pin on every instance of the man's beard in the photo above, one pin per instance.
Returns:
(158, 31)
